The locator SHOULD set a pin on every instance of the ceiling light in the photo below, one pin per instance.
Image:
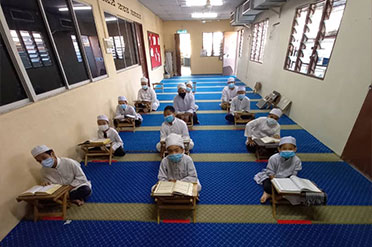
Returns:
(76, 8)
(204, 15)
(196, 3)
(107, 19)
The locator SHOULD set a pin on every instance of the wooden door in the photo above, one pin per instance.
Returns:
(178, 53)
(141, 50)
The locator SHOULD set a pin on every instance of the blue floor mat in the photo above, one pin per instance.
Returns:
(145, 234)
(206, 106)
(224, 141)
(206, 119)
(210, 89)
(203, 83)
(214, 96)
(130, 182)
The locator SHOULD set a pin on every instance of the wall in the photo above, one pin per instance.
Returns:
(326, 108)
(66, 119)
(199, 65)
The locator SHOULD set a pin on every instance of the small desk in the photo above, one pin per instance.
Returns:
(189, 123)
(144, 106)
(160, 84)
(125, 123)
(177, 203)
(60, 196)
(243, 117)
(96, 149)
(265, 150)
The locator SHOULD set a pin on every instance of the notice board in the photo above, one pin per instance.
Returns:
(154, 46)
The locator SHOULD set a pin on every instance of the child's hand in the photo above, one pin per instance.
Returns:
(272, 176)
(45, 183)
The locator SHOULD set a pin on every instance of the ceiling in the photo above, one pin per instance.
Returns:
(171, 9)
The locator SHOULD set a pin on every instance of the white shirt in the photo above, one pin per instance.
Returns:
(196, 107)
(184, 105)
(228, 94)
(178, 127)
(67, 172)
(150, 96)
(259, 128)
(240, 105)
(113, 135)
(128, 111)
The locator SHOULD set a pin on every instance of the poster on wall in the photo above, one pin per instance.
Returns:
(154, 46)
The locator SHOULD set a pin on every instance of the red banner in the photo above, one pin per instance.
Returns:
(154, 46)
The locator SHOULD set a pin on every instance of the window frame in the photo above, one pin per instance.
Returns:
(213, 45)
(261, 46)
(309, 73)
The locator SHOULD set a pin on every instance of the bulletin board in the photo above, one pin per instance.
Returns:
(154, 46)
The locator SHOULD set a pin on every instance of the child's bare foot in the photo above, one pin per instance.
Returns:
(78, 202)
(264, 197)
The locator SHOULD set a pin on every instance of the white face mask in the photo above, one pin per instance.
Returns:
(103, 127)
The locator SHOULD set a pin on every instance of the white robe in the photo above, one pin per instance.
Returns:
(196, 107)
(228, 94)
(240, 105)
(67, 172)
(148, 95)
(113, 135)
(259, 128)
(183, 170)
(128, 111)
(178, 127)
(184, 105)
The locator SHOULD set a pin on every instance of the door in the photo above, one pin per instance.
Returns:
(358, 149)
(178, 53)
(230, 40)
(141, 50)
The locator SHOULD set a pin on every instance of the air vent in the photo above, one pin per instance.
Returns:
(65, 23)
(21, 15)
(247, 8)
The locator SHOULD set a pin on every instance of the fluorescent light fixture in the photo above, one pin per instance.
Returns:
(196, 3)
(107, 19)
(204, 15)
(76, 8)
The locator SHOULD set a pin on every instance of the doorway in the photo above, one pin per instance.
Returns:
(141, 50)
(185, 49)
(229, 52)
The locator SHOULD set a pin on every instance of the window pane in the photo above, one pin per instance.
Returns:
(259, 41)
(11, 89)
(117, 39)
(217, 43)
(124, 32)
(31, 39)
(131, 44)
(64, 35)
(89, 38)
(207, 43)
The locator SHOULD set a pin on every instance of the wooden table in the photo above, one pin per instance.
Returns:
(125, 123)
(240, 117)
(144, 106)
(90, 149)
(265, 150)
(160, 84)
(60, 196)
(177, 202)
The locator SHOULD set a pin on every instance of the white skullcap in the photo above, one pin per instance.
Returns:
(276, 112)
(189, 83)
(144, 79)
(102, 117)
(181, 85)
(122, 98)
(241, 88)
(287, 139)
(230, 79)
(174, 140)
(39, 150)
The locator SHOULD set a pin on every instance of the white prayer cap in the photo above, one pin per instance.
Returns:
(276, 112)
(181, 85)
(39, 150)
(102, 117)
(241, 88)
(174, 140)
(287, 139)
(122, 98)
(230, 79)
(144, 79)
(189, 83)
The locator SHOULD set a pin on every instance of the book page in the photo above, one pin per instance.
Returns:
(305, 184)
(49, 189)
(268, 139)
(184, 188)
(164, 188)
(32, 190)
(285, 185)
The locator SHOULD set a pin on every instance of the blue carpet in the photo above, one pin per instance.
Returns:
(114, 184)
(210, 89)
(224, 141)
(119, 233)
(205, 119)
(215, 96)
(203, 83)
(206, 106)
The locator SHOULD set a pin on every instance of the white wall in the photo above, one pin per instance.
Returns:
(326, 108)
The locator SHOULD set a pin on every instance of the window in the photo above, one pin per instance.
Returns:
(11, 89)
(122, 35)
(31, 39)
(241, 41)
(89, 38)
(64, 35)
(259, 40)
(314, 33)
(212, 43)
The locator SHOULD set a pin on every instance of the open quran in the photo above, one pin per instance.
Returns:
(167, 188)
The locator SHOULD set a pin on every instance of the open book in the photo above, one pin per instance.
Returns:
(268, 139)
(42, 190)
(122, 117)
(167, 188)
(294, 185)
(96, 141)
